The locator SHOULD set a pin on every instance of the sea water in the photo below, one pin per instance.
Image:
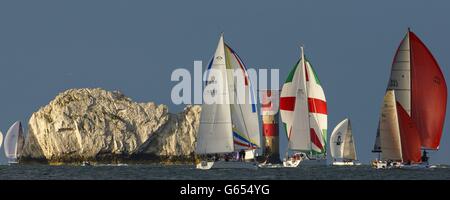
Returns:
(188, 172)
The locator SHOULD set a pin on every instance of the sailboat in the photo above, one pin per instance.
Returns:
(414, 108)
(228, 135)
(303, 112)
(342, 145)
(14, 141)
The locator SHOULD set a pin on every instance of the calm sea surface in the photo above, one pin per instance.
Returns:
(142, 172)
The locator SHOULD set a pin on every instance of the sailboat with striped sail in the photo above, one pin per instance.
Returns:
(228, 135)
(303, 112)
(417, 93)
(342, 145)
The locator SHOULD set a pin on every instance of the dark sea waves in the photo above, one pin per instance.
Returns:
(187, 172)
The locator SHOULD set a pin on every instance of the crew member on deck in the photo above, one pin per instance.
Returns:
(424, 157)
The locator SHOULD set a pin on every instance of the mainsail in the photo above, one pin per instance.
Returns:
(215, 131)
(303, 109)
(14, 141)
(231, 123)
(342, 145)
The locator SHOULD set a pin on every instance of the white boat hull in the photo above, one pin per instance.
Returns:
(291, 163)
(378, 164)
(270, 166)
(342, 163)
(304, 162)
(205, 165)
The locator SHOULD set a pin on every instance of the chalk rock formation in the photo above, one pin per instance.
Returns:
(94, 124)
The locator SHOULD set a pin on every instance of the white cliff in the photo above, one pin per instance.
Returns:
(94, 124)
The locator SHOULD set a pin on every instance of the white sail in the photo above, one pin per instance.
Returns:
(400, 79)
(1, 139)
(244, 113)
(299, 135)
(215, 131)
(389, 129)
(349, 144)
(14, 141)
(337, 140)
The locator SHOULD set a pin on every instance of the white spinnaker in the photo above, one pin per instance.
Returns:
(14, 141)
(400, 79)
(244, 113)
(389, 129)
(215, 131)
(337, 139)
(349, 151)
(299, 135)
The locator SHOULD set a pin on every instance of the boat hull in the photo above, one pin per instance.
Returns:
(342, 163)
(270, 166)
(304, 162)
(206, 165)
(378, 164)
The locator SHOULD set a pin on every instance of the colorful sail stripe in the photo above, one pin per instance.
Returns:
(207, 71)
(232, 52)
(315, 105)
(292, 73)
(314, 73)
(244, 71)
(315, 139)
(244, 140)
(287, 103)
(244, 145)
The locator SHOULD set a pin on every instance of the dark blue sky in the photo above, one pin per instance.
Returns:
(47, 47)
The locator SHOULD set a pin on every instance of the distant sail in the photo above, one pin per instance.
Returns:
(215, 131)
(1, 139)
(14, 141)
(349, 144)
(389, 129)
(377, 146)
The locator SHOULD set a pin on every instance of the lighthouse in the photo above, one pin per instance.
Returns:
(270, 116)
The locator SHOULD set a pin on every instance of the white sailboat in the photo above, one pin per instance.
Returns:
(229, 125)
(304, 114)
(14, 141)
(342, 145)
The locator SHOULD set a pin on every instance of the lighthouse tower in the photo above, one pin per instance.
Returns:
(270, 116)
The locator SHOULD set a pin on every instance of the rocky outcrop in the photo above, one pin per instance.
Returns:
(98, 125)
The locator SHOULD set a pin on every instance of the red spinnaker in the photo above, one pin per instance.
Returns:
(409, 136)
(428, 94)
